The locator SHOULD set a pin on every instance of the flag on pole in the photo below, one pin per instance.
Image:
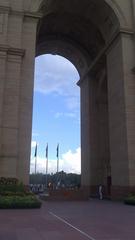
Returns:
(47, 150)
(57, 155)
(35, 155)
(57, 151)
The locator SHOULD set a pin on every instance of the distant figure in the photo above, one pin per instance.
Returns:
(100, 190)
(50, 185)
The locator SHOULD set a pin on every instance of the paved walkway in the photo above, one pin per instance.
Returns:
(94, 220)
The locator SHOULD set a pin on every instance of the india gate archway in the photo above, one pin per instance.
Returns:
(97, 36)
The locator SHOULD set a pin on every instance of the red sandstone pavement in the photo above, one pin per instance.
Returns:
(93, 219)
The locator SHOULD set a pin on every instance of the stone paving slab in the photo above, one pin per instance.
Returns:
(94, 220)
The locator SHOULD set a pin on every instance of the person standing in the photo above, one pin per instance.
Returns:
(100, 190)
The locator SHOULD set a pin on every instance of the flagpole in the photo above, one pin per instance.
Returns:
(35, 159)
(57, 165)
(46, 164)
(35, 165)
(57, 158)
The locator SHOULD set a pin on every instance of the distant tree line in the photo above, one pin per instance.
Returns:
(65, 179)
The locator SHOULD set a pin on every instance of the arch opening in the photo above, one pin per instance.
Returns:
(80, 33)
(56, 115)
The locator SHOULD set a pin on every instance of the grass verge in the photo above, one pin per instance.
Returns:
(130, 200)
(19, 202)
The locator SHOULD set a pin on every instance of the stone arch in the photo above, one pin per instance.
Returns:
(106, 20)
(112, 3)
(77, 56)
(118, 11)
(97, 37)
(32, 5)
(87, 30)
(81, 41)
(36, 6)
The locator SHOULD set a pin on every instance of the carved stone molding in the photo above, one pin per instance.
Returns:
(12, 54)
(12, 51)
(16, 51)
(1, 22)
(4, 9)
(133, 70)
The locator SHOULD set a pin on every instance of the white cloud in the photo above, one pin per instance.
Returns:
(68, 114)
(58, 114)
(35, 134)
(41, 165)
(33, 144)
(55, 75)
(69, 162)
(72, 103)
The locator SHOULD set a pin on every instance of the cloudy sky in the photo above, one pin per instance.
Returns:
(56, 114)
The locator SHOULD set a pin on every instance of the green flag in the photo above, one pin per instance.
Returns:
(47, 151)
(35, 155)
(57, 151)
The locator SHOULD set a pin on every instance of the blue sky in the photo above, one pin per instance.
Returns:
(56, 113)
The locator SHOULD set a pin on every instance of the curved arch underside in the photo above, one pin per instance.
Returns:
(86, 26)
